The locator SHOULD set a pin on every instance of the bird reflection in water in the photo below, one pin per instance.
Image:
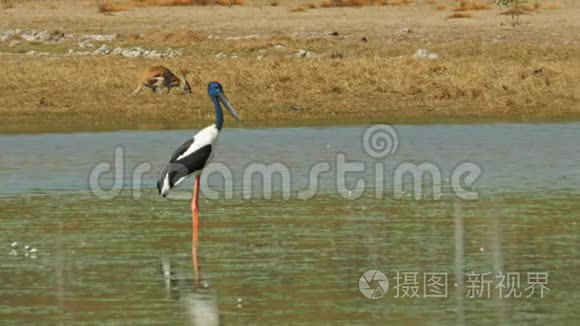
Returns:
(197, 298)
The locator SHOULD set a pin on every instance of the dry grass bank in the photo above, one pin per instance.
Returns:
(363, 71)
(494, 81)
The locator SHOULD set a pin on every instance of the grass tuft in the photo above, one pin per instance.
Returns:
(550, 6)
(304, 7)
(105, 7)
(466, 5)
(167, 3)
(514, 12)
(5, 4)
(298, 9)
(361, 3)
(460, 15)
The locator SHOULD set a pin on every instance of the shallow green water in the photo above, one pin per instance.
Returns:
(276, 261)
(288, 261)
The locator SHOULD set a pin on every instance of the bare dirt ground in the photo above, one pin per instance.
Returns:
(361, 67)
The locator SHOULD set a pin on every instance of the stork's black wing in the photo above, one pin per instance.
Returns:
(177, 169)
(182, 149)
(194, 161)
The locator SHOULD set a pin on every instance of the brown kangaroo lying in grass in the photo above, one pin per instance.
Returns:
(159, 77)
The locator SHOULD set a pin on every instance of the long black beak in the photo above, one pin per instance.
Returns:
(229, 106)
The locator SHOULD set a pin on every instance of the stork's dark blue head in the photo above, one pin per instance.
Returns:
(214, 89)
(216, 92)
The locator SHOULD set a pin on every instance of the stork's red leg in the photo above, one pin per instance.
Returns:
(195, 228)
(194, 207)
(195, 262)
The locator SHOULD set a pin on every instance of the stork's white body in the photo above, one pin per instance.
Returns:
(206, 136)
(192, 156)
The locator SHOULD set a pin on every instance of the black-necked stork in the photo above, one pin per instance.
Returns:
(193, 155)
